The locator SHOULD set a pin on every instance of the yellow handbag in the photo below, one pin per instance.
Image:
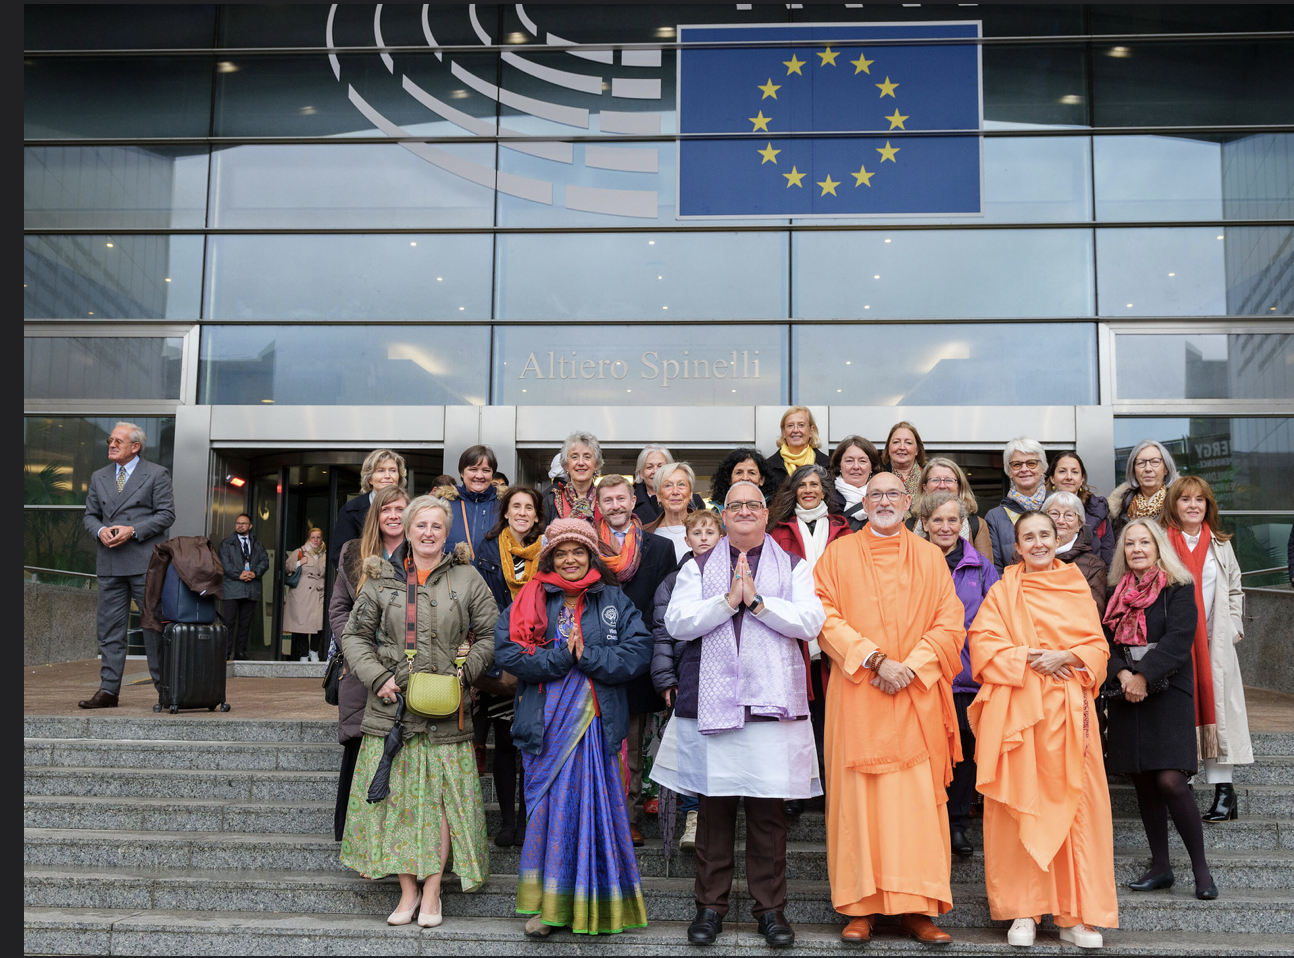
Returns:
(429, 695)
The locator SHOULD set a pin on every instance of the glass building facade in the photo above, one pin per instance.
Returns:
(277, 236)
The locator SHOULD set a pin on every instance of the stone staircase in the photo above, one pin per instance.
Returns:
(212, 835)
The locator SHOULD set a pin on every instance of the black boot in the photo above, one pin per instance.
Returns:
(960, 843)
(1225, 806)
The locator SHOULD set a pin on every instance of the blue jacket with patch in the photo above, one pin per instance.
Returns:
(617, 648)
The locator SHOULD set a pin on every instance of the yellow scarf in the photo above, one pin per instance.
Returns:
(509, 549)
(806, 457)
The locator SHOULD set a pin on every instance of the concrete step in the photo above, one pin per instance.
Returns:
(214, 728)
(265, 669)
(268, 785)
(1275, 801)
(166, 755)
(1267, 770)
(129, 932)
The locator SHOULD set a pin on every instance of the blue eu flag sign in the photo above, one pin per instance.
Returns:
(859, 108)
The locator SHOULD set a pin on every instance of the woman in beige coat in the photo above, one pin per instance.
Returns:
(303, 603)
(1191, 517)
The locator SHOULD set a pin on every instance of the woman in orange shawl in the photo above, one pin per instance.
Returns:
(1038, 649)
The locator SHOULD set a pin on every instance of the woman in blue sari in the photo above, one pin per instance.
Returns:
(573, 640)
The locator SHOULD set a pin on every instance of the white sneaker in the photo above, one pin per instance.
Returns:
(314, 656)
(689, 832)
(305, 658)
(1022, 933)
(1081, 936)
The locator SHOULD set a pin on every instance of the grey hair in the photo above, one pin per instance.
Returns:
(669, 469)
(1067, 499)
(936, 499)
(647, 451)
(1170, 467)
(135, 433)
(1026, 445)
(1177, 573)
(582, 438)
(422, 504)
(744, 482)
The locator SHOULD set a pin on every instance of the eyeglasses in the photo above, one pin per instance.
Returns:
(120, 442)
(893, 495)
(942, 481)
(1143, 463)
(748, 505)
(1025, 464)
(1064, 516)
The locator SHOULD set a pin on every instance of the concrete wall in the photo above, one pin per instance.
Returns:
(58, 623)
(1267, 650)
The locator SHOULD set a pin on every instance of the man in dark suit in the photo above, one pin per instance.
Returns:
(616, 502)
(245, 561)
(128, 508)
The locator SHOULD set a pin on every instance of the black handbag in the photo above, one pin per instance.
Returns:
(332, 678)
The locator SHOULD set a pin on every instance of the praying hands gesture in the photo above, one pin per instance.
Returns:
(743, 584)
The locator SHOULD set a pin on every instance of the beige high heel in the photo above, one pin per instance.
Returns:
(431, 921)
(398, 917)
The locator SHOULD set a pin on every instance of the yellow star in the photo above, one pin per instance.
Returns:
(793, 65)
(887, 153)
(862, 176)
(829, 185)
(793, 178)
(770, 89)
(769, 155)
(896, 120)
(888, 88)
(761, 122)
(829, 57)
(862, 63)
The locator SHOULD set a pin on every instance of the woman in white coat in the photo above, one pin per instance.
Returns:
(303, 603)
(1191, 518)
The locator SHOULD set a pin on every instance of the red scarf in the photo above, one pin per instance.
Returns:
(623, 559)
(528, 625)
(1206, 721)
(1126, 613)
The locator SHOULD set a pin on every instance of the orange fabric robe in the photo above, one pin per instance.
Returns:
(889, 757)
(1048, 837)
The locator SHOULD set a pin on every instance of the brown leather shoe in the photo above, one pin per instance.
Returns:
(924, 930)
(99, 700)
(637, 836)
(859, 929)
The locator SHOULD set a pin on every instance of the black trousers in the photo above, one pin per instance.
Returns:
(716, 834)
(238, 620)
(962, 790)
(349, 756)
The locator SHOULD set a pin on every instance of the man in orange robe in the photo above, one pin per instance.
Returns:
(894, 633)
(1048, 837)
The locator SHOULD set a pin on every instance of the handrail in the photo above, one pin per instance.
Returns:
(1279, 568)
(36, 568)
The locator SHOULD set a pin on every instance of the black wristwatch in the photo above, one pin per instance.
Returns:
(759, 601)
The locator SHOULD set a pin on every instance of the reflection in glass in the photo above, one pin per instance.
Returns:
(121, 26)
(408, 276)
(344, 365)
(101, 367)
(952, 273)
(112, 277)
(60, 453)
(370, 186)
(643, 275)
(1247, 461)
(640, 365)
(1131, 185)
(936, 364)
(1205, 366)
(87, 97)
(56, 539)
(114, 187)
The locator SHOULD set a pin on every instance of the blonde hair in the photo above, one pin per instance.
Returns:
(668, 469)
(969, 506)
(1167, 560)
(814, 440)
(375, 459)
(422, 504)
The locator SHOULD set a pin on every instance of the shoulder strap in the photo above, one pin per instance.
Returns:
(974, 526)
(410, 609)
(979, 571)
(467, 529)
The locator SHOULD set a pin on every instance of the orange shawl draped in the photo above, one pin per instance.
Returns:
(1039, 786)
(886, 733)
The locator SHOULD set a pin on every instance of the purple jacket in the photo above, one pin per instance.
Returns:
(972, 579)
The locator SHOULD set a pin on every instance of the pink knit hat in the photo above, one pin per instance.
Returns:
(569, 530)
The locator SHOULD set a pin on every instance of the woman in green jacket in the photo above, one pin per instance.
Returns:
(435, 795)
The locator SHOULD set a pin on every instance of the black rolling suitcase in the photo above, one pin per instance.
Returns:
(193, 667)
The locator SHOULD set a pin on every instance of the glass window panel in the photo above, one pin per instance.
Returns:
(305, 24)
(347, 185)
(1260, 542)
(1131, 185)
(1190, 17)
(628, 365)
(1258, 177)
(114, 187)
(102, 367)
(120, 26)
(643, 275)
(87, 97)
(950, 273)
(1203, 271)
(112, 277)
(61, 452)
(1208, 82)
(1036, 85)
(936, 364)
(1205, 366)
(411, 276)
(56, 539)
(1247, 461)
(344, 365)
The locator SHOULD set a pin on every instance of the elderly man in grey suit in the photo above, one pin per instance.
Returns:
(128, 508)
